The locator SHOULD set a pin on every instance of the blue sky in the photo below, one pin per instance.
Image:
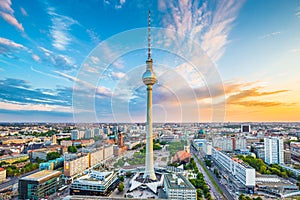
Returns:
(247, 54)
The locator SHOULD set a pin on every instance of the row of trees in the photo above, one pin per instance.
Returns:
(199, 183)
(261, 167)
(52, 155)
(13, 170)
(244, 197)
(49, 133)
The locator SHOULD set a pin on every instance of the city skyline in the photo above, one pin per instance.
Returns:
(253, 45)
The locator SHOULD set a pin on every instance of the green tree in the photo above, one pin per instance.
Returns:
(52, 155)
(121, 178)
(207, 162)
(121, 187)
(128, 174)
(242, 197)
(72, 149)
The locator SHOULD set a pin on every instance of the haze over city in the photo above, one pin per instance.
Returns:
(254, 47)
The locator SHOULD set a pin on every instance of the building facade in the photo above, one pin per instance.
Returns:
(274, 150)
(76, 165)
(2, 174)
(235, 167)
(39, 185)
(177, 187)
(95, 184)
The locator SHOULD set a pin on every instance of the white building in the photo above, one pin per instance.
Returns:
(230, 144)
(95, 183)
(241, 171)
(274, 150)
(177, 187)
(207, 148)
(88, 133)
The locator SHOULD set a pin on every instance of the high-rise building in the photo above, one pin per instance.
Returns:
(88, 133)
(245, 128)
(54, 140)
(287, 157)
(149, 79)
(75, 135)
(121, 140)
(274, 150)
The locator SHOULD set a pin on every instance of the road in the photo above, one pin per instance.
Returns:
(15, 180)
(217, 195)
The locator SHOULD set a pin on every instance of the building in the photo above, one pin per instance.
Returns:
(245, 128)
(198, 144)
(237, 169)
(274, 150)
(2, 174)
(259, 151)
(207, 148)
(95, 183)
(54, 139)
(88, 133)
(296, 172)
(52, 164)
(287, 157)
(96, 157)
(274, 186)
(66, 143)
(39, 185)
(229, 144)
(120, 140)
(75, 135)
(76, 165)
(181, 157)
(108, 152)
(177, 187)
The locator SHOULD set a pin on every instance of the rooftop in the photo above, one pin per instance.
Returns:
(178, 181)
(42, 176)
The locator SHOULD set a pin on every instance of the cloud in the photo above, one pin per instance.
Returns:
(60, 29)
(208, 23)
(240, 98)
(117, 4)
(10, 48)
(10, 43)
(117, 75)
(29, 98)
(35, 57)
(93, 36)
(59, 61)
(86, 87)
(23, 11)
(269, 35)
(7, 13)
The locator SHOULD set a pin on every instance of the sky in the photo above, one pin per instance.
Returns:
(82, 61)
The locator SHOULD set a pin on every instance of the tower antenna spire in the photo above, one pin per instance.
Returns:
(149, 36)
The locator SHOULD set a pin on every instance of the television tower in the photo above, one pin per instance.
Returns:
(149, 79)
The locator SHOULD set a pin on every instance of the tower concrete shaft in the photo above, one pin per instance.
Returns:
(149, 168)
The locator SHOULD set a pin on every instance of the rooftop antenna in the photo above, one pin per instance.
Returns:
(149, 36)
